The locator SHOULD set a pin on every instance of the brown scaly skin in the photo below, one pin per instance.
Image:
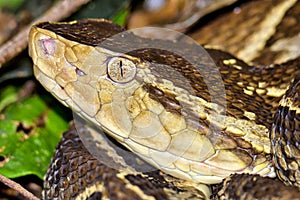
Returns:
(285, 142)
(285, 136)
(74, 170)
(245, 24)
(245, 187)
(285, 149)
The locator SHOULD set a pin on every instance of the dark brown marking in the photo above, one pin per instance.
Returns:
(87, 31)
(164, 98)
(243, 155)
(290, 22)
(243, 186)
(285, 137)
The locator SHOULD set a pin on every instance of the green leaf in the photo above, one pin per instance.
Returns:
(12, 4)
(107, 9)
(8, 95)
(29, 132)
(120, 17)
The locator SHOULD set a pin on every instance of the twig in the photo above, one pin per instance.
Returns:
(18, 188)
(59, 11)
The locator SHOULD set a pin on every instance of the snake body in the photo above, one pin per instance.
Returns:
(160, 107)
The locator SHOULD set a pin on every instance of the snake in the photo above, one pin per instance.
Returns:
(161, 107)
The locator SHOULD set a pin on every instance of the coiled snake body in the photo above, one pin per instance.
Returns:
(161, 107)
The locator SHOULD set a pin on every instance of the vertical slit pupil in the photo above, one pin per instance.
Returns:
(121, 68)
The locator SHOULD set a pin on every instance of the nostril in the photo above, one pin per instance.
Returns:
(48, 46)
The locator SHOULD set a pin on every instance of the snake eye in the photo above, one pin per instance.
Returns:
(121, 70)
